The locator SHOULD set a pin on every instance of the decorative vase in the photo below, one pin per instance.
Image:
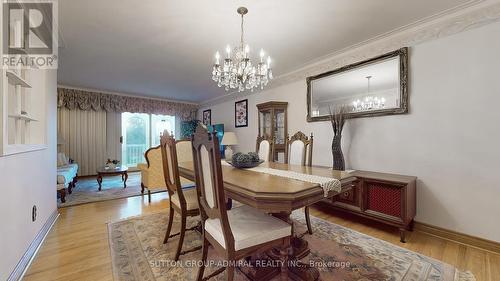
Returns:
(338, 156)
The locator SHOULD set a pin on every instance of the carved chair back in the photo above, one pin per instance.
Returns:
(265, 148)
(209, 182)
(170, 166)
(298, 149)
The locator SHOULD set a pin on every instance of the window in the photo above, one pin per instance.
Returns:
(140, 131)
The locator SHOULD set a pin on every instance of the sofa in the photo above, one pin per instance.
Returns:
(152, 178)
(67, 172)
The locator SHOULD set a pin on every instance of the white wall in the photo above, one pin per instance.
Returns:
(449, 140)
(28, 179)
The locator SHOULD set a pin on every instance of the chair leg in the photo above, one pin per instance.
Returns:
(169, 227)
(204, 254)
(142, 188)
(230, 272)
(149, 196)
(181, 236)
(308, 220)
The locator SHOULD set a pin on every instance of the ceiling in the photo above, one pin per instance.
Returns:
(165, 48)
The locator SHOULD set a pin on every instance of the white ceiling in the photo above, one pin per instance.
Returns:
(165, 48)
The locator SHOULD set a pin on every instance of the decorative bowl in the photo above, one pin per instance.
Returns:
(245, 165)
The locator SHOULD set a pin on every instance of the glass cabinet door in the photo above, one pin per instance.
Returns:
(279, 126)
(265, 123)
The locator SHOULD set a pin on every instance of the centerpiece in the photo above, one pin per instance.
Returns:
(112, 164)
(245, 160)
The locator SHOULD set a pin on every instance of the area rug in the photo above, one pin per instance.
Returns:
(138, 253)
(87, 190)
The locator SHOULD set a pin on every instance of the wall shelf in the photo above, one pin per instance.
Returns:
(23, 104)
(22, 117)
(15, 79)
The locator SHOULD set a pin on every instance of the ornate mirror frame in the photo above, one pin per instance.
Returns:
(403, 85)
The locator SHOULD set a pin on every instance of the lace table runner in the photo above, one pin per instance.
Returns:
(328, 184)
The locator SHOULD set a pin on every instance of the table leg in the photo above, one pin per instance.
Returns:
(297, 271)
(125, 180)
(99, 181)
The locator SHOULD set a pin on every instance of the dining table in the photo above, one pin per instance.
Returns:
(279, 196)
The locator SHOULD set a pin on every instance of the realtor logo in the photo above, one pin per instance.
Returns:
(29, 34)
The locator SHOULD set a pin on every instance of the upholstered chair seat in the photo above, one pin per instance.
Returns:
(191, 199)
(249, 226)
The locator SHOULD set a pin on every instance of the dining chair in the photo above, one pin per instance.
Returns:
(152, 177)
(236, 233)
(184, 202)
(298, 151)
(265, 148)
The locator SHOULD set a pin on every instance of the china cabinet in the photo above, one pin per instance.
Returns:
(273, 124)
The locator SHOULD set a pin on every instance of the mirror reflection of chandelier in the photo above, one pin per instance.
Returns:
(369, 102)
(237, 71)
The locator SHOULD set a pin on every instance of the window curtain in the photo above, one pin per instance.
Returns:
(85, 100)
(84, 135)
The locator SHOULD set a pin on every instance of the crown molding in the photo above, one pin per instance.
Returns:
(470, 15)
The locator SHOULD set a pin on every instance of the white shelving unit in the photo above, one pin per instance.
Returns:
(16, 79)
(22, 112)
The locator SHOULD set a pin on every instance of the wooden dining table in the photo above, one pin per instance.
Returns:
(279, 196)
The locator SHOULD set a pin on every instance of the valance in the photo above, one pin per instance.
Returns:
(85, 100)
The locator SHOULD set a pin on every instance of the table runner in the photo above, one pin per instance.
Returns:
(328, 184)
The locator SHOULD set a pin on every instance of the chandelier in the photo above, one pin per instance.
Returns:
(370, 102)
(237, 71)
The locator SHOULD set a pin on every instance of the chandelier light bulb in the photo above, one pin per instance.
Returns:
(228, 51)
(268, 62)
(217, 57)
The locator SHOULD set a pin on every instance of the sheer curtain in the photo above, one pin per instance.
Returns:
(84, 134)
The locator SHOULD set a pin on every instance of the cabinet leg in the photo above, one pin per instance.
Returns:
(402, 235)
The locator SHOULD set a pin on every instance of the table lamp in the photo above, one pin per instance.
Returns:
(229, 139)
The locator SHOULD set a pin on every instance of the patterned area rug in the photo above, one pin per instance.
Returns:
(86, 190)
(138, 253)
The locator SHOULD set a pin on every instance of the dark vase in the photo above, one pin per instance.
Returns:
(338, 156)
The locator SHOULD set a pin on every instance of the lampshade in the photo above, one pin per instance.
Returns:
(60, 139)
(229, 138)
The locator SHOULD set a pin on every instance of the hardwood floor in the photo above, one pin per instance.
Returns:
(77, 246)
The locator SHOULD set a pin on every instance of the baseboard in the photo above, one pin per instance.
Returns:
(458, 237)
(30, 253)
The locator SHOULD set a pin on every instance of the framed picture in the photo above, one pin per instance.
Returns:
(241, 113)
(207, 117)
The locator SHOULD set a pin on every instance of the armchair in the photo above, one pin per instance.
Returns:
(67, 171)
(152, 178)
